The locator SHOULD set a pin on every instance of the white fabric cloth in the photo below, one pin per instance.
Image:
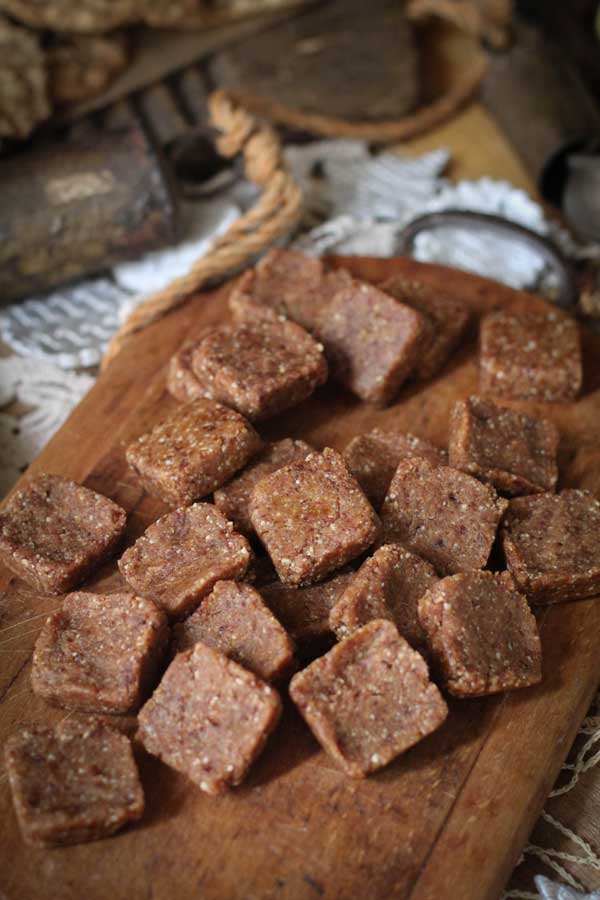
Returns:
(50, 394)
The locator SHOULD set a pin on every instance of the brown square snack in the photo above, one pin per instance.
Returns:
(530, 355)
(368, 699)
(514, 452)
(372, 341)
(446, 316)
(209, 718)
(54, 532)
(387, 586)
(304, 611)
(197, 449)
(99, 653)
(481, 633)
(259, 368)
(442, 514)
(235, 620)
(374, 457)
(181, 556)
(72, 783)
(181, 381)
(312, 517)
(234, 498)
(552, 545)
(290, 284)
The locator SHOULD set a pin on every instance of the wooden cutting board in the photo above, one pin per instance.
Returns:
(446, 820)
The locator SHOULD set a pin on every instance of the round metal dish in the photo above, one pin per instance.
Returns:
(567, 293)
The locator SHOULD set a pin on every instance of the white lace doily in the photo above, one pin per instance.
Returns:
(49, 394)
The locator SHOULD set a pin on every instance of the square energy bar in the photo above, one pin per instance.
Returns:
(388, 585)
(369, 699)
(312, 517)
(291, 285)
(72, 783)
(481, 633)
(374, 457)
(530, 355)
(181, 556)
(304, 611)
(100, 653)
(54, 532)
(197, 449)
(235, 620)
(181, 381)
(209, 718)
(372, 341)
(233, 499)
(260, 368)
(552, 545)
(446, 317)
(442, 514)
(513, 451)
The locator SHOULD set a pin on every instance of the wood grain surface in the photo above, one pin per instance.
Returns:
(446, 820)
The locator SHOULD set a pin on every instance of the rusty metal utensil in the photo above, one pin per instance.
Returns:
(567, 292)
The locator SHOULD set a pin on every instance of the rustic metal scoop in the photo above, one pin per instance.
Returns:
(566, 291)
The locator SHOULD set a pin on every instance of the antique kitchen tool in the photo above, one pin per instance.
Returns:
(71, 207)
(103, 189)
(564, 276)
